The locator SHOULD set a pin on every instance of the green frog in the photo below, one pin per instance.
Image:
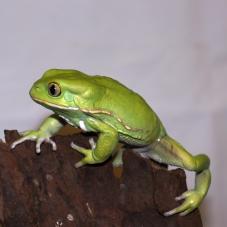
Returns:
(103, 105)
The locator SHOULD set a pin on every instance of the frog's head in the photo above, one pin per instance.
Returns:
(62, 89)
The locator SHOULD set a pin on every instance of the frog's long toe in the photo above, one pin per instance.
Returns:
(79, 164)
(80, 149)
(182, 208)
(77, 147)
(21, 140)
(53, 144)
(38, 145)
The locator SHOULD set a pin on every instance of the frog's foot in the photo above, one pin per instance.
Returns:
(89, 156)
(192, 201)
(37, 136)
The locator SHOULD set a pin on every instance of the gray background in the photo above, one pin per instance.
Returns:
(174, 53)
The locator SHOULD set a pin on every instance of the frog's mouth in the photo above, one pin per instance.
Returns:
(49, 104)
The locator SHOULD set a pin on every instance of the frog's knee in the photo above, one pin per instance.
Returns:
(197, 163)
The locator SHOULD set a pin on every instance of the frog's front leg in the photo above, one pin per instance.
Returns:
(107, 141)
(48, 128)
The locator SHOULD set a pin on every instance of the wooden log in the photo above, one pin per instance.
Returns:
(46, 190)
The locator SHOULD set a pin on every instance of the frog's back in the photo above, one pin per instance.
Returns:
(131, 114)
(110, 101)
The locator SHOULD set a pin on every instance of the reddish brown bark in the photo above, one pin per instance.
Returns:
(46, 190)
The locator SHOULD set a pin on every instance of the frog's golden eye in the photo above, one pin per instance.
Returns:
(54, 89)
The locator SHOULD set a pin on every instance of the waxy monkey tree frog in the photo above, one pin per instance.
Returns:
(103, 105)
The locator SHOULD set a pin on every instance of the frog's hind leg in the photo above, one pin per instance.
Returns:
(167, 151)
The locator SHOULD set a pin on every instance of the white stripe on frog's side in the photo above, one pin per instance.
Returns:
(67, 120)
(113, 115)
(82, 126)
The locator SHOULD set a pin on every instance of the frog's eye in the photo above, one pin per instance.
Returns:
(54, 89)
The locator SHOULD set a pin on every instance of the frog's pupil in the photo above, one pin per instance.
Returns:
(53, 89)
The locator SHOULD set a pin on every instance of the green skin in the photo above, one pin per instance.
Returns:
(103, 105)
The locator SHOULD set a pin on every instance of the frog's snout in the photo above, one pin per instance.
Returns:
(34, 90)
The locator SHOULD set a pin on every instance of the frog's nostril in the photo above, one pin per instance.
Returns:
(37, 88)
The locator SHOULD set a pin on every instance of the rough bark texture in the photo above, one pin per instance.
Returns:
(46, 190)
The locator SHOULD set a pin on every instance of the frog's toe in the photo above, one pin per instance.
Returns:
(183, 196)
(181, 208)
(75, 146)
(118, 160)
(79, 148)
(79, 164)
(38, 145)
(53, 144)
(21, 140)
(186, 212)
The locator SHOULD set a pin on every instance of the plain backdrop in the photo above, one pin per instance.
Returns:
(174, 53)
